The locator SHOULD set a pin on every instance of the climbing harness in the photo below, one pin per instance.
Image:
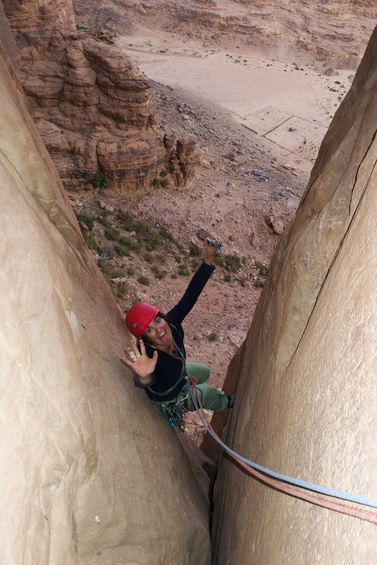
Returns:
(277, 480)
(175, 411)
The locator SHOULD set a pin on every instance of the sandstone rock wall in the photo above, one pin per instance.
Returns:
(89, 472)
(307, 399)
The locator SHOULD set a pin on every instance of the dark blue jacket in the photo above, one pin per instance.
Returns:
(169, 374)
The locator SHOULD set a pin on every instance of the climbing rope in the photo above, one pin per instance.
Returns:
(278, 481)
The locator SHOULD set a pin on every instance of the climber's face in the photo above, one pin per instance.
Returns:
(160, 333)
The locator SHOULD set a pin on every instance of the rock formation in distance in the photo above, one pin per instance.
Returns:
(91, 105)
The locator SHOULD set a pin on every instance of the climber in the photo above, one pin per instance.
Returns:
(157, 356)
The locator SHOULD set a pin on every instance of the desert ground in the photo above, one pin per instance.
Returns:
(258, 120)
(287, 103)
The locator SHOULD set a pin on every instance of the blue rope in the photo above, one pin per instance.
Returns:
(359, 499)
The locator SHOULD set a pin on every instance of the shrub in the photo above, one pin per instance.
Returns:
(90, 241)
(143, 280)
(195, 251)
(178, 258)
(258, 283)
(149, 257)
(130, 271)
(159, 274)
(124, 216)
(116, 273)
(122, 250)
(195, 263)
(227, 278)
(263, 269)
(183, 270)
(153, 241)
(100, 180)
(233, 262)
(104, 221)
(166, 234)
(126, 241)
(142, 227)
(161, 259)
(122, 290)
(87, 220)
(213, 336)
(219, 261)
(112, 233)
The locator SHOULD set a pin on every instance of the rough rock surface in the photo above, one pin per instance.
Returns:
(83, 454)
(306, 402)
(91, 106)
(332, 31)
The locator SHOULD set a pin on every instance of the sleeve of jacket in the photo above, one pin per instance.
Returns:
(192, 293)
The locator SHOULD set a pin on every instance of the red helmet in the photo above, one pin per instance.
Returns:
(139, 316)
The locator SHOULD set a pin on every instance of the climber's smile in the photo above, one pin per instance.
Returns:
(160, 333)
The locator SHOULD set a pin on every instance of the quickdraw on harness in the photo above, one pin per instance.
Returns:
(175, 411)
(278, 481)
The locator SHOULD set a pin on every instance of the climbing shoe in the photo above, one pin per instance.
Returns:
(231, 399)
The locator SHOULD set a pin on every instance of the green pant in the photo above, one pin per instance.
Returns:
(211, 398)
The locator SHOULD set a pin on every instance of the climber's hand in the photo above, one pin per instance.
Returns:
(139, 361)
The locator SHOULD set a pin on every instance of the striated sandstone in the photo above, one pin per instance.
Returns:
(89, 472)
(307, 394)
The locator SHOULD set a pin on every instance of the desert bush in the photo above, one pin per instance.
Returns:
(183, 270)
(153, 240)
(213, 336)
(194, 250)
(144, 280)
(219, 260)
(87, 220)
(142, 227)
(104, 221)
(100, 180)
(263, 269)
(233, 262)
(122, 250)
(126, 241)
(90, 241)
(112, 233)
(160, 274)
(149, 257)
(164, 233)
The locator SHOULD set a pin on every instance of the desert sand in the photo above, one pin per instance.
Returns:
(288, 104)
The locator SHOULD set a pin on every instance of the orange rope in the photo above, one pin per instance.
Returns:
(367, 515)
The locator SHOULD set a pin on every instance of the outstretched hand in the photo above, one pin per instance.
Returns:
(210, 251)
(139, 361)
